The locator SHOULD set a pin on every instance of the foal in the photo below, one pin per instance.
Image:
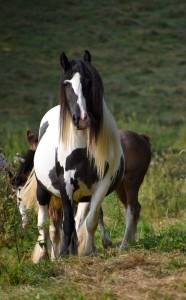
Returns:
(137, 150)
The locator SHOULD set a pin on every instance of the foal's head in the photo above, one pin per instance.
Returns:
(26, 162)
(82, 93)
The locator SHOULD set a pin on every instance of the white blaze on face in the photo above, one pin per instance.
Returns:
(77, 87)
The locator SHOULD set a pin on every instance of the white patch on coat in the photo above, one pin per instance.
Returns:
(69, 186)
(77, 87)
(44, 158)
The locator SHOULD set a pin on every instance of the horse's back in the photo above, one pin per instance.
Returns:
(137, 149)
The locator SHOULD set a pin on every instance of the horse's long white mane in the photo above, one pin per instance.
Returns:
(106, 148)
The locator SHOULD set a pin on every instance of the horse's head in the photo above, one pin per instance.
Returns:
(26, 162)
(32, 139)
(82, 93)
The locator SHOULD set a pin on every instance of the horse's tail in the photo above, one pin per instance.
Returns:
(28, 193)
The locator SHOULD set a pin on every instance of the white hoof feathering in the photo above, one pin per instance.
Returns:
(39, 253)
(85, 241)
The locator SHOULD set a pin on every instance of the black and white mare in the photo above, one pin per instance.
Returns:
(79, 156)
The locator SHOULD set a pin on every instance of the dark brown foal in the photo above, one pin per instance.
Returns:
(137, 153)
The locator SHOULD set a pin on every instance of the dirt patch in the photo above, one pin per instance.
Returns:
(128, 276)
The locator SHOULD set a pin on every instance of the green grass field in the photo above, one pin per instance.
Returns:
(139, 49)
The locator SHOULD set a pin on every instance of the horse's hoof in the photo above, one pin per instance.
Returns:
(85, 242)
(124, 246)
(39, 253)
(107, 243)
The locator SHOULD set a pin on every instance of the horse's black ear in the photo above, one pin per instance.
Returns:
(64, 62)
(87, 56)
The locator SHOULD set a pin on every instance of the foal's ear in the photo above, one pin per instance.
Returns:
(87, 56)
(64, 62)
(32, 138)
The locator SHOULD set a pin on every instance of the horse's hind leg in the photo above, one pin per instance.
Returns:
(132, 216)
(129, 197)
(55, 228)
(106, 241)
(40, 250)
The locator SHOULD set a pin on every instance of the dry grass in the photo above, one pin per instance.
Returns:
(131, 275)
(128, 276)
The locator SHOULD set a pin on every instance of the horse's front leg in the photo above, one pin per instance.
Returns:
(69, 243)
(87, 229)
(81, 213)
(40, 250)
(106, 241)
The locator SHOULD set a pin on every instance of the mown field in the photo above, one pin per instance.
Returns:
(139, 49)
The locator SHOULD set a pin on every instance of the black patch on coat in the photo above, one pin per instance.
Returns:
(43, 129)
(85, 199)
(118, 177)
(43, 196)
(56, 173)
(84, 169)
(54, 178)
(74, 182)
(24, 169)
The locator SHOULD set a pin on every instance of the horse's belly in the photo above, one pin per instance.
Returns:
(44, 162)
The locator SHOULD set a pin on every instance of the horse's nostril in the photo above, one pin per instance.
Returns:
(75, 119)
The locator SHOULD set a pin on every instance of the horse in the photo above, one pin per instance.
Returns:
(137, 149)
(19, 180)
(79, 157)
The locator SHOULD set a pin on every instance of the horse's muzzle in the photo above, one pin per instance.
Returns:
(83, 124)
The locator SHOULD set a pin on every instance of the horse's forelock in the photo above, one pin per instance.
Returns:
(95, 101)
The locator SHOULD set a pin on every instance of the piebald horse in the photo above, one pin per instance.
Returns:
(79, 156)
(137, 151)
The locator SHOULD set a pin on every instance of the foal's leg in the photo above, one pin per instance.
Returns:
(132, 216)
(106, 241)
(87, 229)
(40, 250)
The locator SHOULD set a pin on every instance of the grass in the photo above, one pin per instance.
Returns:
(139, 49)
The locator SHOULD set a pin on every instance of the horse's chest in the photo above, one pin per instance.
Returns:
(80, 175)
